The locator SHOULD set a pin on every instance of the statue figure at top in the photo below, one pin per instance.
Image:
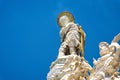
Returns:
(72, 36)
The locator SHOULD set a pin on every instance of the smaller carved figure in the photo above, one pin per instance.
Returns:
(109, 62)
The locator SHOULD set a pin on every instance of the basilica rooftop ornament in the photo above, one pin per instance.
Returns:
(72, 36)
(71, 64)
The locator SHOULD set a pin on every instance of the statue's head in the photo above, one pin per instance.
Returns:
(103, 45)
(64, 18)
(104, 48)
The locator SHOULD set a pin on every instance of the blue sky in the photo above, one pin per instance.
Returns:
(29, 34)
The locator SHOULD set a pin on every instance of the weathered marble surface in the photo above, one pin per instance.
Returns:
(72, 36)
(74, 67)
(108, 65)
(70, 65)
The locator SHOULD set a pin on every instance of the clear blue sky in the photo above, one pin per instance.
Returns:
(29, 34)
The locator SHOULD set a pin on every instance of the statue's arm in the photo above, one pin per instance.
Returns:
(116, 38)
(63, 32)
(62, 35)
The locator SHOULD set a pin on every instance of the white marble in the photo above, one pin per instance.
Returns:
(70, 65)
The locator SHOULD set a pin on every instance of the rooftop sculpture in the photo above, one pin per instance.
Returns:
(72, 36)
(71, 64)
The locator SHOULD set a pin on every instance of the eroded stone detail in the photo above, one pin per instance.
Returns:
(71, 64)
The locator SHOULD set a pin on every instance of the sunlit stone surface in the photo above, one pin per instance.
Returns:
(71, 65)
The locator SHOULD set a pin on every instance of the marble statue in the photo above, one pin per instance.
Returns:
(71, 64)
(72, 36)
